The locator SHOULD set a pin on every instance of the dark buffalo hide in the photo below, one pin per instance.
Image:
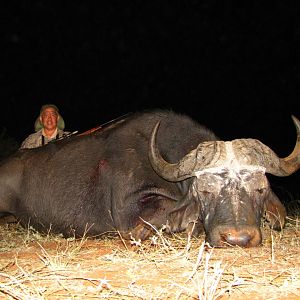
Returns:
(104, 181)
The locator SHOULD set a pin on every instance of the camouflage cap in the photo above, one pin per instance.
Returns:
(60, 122)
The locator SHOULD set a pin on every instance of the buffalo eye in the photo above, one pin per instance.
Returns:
(261, 190)
(148, 199)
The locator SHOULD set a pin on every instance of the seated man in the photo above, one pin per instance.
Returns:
(48, 126)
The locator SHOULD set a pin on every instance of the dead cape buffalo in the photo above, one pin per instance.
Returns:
(154, 167)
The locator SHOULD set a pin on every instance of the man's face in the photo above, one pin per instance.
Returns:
(49, 118)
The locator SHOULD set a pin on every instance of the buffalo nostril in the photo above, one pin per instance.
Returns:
(242, 239)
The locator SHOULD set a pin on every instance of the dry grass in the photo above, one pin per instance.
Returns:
(166, 267)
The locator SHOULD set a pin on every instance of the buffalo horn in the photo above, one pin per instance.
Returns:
(290, 164)
(169, 171)
(249, 152)
(253, 152)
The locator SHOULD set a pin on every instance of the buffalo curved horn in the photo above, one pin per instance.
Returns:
(169, 171)
(253, 152)
(207, 154)
(290, 164)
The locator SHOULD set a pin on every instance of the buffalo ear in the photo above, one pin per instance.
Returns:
(185, 216)
(275, 211)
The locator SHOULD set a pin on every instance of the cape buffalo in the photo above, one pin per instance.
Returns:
(150, 168)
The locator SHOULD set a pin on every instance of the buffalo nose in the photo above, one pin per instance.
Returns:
(243, 237)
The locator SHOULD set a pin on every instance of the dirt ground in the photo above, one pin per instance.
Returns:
(34, 266)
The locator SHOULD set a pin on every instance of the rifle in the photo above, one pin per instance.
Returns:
(106, 124)
(99, 127)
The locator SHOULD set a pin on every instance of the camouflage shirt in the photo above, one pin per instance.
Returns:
(38, 139)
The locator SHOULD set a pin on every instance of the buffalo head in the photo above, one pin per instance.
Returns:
(228, 192)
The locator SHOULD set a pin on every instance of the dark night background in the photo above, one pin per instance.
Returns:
(230, 65)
